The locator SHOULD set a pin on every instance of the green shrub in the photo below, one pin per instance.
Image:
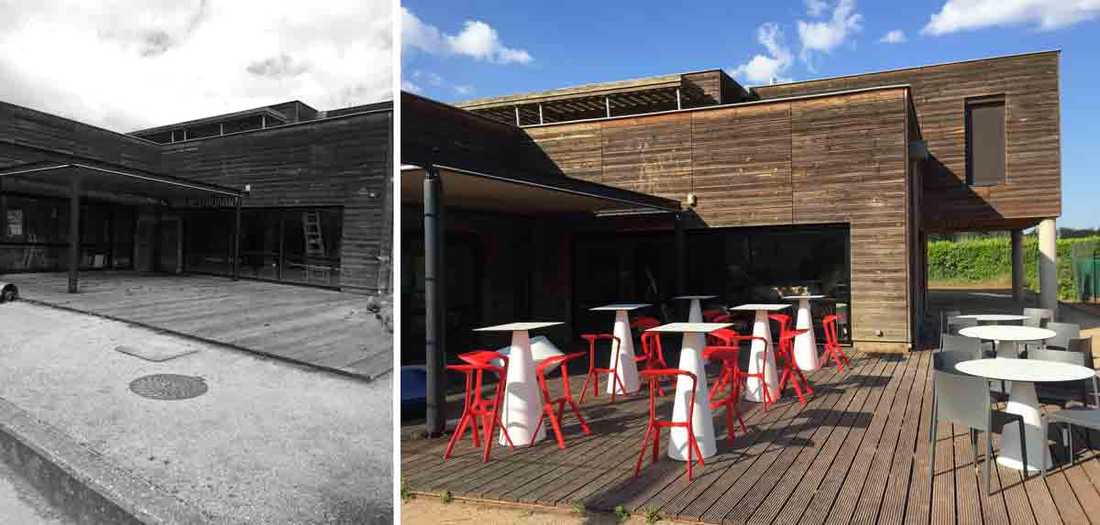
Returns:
(983, 260)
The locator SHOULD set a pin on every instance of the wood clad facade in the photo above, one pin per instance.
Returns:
(835, 159)
(1032, 182)
(344, 160)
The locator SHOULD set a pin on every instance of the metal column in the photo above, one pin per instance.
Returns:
(680, 253)
(434, 303)
(1018, 265)
(237, 240)
(74, 233)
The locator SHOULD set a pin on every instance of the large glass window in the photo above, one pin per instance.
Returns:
(34, 234)
(985, 141)
(740, 265)
(283, 244)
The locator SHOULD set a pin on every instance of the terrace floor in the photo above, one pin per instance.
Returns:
(856, 453)
(322, 328)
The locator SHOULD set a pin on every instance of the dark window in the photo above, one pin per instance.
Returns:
(985, 141)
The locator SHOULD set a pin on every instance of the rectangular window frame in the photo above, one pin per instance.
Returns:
(968, 103)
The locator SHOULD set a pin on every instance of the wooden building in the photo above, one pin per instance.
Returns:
(284, 193)
(831, 185)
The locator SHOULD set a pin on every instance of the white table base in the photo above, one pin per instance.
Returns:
(761, 354)
(628, 368)
(1022, 400)
(805, 345)
(691, 359)
(522, 406)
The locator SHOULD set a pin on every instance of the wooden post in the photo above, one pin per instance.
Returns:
(237, 240)
(74, 233)
(434, 303)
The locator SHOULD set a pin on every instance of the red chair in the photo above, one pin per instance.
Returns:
(653, 429)
(653, 355)
(478, 409)
(785, 358)
(710, 315)
(644, 322)
(731, 373)
(832, 342)
(728, 356)
(552, 407)
(595, 371)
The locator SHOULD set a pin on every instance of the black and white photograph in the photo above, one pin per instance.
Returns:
(195, 257)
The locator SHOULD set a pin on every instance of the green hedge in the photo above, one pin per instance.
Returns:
(983, 260)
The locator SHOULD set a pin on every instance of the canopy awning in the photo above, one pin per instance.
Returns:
(529, 195)
(109, 182)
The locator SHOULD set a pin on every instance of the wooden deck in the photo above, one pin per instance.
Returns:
(317, 327)
(856, 453)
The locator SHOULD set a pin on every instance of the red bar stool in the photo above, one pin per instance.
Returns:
(653, 429)
(653, 355)
(785, 353)
(478, 409)
(710, 315)
(728, 356)
(645, 322)
(832, 342)
(731, 371)
(553, 408)
(595, 371)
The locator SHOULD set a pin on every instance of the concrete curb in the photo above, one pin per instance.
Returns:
(82, 483)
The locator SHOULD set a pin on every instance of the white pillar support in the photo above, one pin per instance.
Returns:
(1018, 265)
(1048, 265)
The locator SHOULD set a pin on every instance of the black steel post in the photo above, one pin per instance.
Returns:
(237, 240)
(434, 303)
(680, 253)
(74, 233)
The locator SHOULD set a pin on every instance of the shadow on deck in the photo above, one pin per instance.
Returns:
(319, 328)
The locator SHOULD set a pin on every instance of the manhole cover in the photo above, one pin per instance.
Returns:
(168, 386)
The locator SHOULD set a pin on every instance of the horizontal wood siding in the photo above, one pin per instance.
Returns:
(1029, 84)
(33, 136)
(838, 159)
(341, 162)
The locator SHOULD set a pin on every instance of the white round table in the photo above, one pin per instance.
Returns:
(1015, 334)
(627, 368)
(805, 344)
(691, 360)
(990, 318)
(761, 353)
(541, 349)
(1022, 400)
(522, 404)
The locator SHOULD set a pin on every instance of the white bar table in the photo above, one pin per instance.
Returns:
(1022, 400)
(805, 344)
(695, 313)
(762, 352)
(627, 369)
(691, 360)
(522, 406)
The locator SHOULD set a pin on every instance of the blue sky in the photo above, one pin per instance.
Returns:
(458, 50)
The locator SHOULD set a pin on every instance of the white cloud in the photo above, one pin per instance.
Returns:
(823, 36)
(136, 63)
(896, 36)
(464, 90)
(764, 69)
(477, 40)
(963, 15)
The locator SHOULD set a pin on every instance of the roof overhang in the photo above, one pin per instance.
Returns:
(529, 195)
(113, 183)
